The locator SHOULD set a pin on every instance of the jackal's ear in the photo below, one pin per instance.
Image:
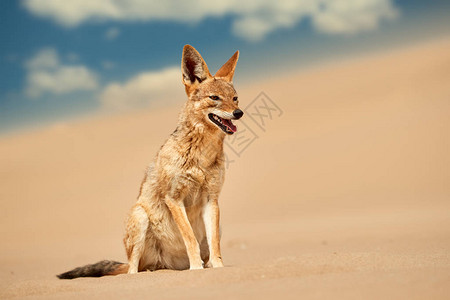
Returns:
(227, 70)
(193, 66)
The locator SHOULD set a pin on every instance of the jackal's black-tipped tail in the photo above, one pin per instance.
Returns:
(102, 268)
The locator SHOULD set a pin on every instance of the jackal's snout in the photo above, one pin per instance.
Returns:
(238, 114)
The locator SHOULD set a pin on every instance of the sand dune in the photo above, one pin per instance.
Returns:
(345, 195)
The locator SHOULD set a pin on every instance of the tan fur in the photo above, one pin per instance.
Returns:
(121, 269)
(180, 191)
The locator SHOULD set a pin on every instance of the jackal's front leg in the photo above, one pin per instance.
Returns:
(192, 247)
(211, 218)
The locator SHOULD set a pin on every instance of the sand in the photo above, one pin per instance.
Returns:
(346, 194)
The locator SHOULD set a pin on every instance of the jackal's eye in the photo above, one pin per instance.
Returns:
(214, 97)
(235, 98)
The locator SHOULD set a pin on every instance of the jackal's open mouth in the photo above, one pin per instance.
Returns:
(226, 125)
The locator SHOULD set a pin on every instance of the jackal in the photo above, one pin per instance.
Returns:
(175, 222)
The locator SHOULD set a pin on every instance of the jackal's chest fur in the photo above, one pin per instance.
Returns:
(189, 169)
(191, 164)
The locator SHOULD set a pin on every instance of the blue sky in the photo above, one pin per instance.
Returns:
(64, 59)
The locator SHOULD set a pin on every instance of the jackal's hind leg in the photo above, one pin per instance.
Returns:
(137, 227)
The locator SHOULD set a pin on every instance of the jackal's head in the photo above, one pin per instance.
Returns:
(213, 101)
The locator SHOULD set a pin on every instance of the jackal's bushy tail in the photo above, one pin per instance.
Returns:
(102, 268)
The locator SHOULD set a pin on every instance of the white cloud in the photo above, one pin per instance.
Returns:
(352, 16)
(252, 19)
(46, 74)
(143, 89)
(46, 58)
(112, 33)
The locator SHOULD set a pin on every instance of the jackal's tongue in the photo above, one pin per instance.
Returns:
(229, 125)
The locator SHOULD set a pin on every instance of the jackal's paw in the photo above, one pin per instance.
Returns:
(196, 264)
(216, 263)
(196, 267)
